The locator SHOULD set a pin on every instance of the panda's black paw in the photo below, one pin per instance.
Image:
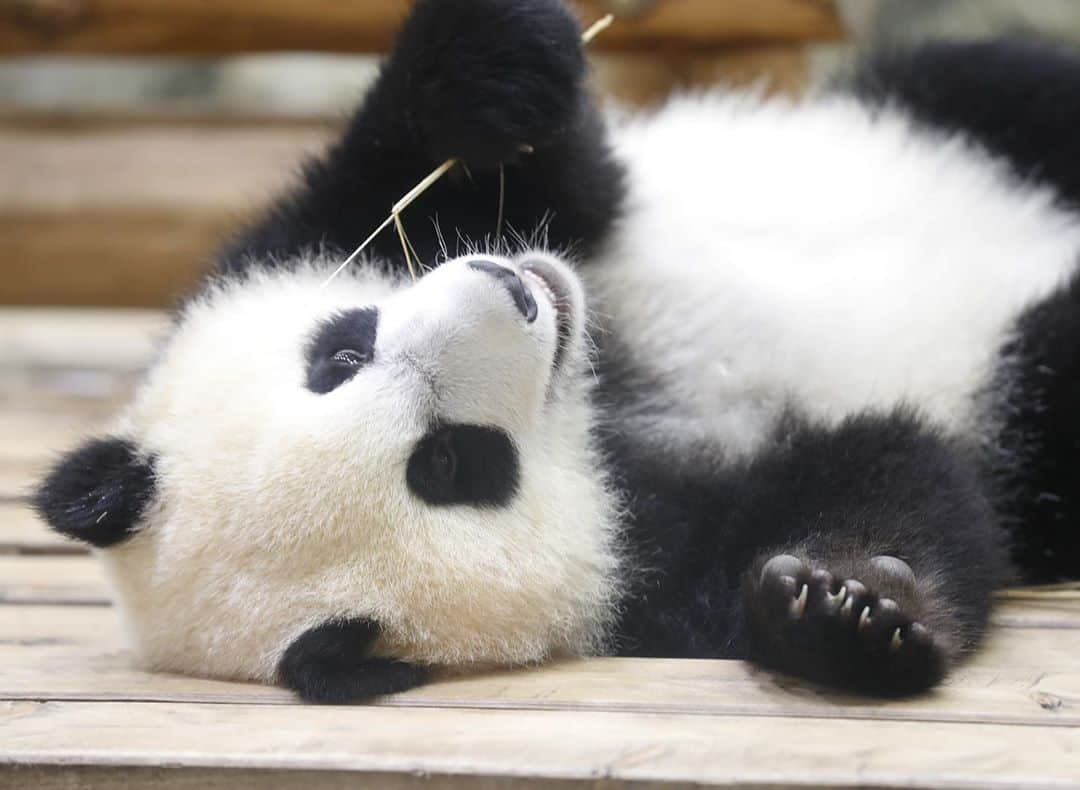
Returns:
(486, 79)
(856, 630)
(329, 664)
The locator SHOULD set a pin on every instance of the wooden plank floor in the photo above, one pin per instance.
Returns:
(74, 712)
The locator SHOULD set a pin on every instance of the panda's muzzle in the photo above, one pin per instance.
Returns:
(509, 279)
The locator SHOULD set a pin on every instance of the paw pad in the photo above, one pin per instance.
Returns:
(894, 568)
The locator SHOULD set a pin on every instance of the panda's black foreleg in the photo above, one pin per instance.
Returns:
(330, 664)
(498, 84)
(878, 558)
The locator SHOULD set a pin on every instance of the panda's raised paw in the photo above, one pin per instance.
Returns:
(838, 629)
(486, 80)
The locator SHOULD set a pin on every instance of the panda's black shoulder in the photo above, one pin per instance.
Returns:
(1019, 98)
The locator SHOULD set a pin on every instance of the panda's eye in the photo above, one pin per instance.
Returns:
(340, 346)
(349, 357)
(443, 460)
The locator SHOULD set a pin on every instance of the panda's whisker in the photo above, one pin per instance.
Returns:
(502, 199)
(444, 255)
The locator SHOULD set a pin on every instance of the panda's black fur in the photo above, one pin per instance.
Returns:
(862, 554)
(434, 98)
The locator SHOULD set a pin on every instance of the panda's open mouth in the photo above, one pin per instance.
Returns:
(552, 283)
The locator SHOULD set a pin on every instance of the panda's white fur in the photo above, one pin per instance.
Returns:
(820, 253)
(770, 253)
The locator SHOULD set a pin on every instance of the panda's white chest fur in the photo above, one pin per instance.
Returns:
(818, 257)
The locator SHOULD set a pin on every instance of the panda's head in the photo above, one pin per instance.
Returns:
(412, 454)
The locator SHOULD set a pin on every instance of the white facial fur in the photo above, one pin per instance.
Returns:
(277, 508)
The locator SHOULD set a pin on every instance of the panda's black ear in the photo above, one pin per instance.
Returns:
(97, 492)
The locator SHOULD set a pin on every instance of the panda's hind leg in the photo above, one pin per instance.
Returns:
(1035, 418)
(871, 554)
(868, 625)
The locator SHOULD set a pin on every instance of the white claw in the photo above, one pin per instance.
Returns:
(864, 618)
(848, 604)
(798, 606)
(896, 641)
(836, 601)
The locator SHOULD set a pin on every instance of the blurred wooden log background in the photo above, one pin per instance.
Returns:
(125, 208)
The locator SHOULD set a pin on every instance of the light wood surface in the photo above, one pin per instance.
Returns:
(777, 751)
(132, 216)
(17, 478)
(76, 341)
(53, 666)
(229, 26)
(28, 435)
(76, 711)
(67, 777)
(21, 532)
(35, 579)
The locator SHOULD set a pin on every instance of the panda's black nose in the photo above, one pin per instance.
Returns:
(523, 298)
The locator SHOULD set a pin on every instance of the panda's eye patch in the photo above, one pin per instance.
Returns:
(464, 465)
(339, 347)
(443, 460)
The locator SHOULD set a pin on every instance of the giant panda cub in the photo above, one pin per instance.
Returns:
(795, 382)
